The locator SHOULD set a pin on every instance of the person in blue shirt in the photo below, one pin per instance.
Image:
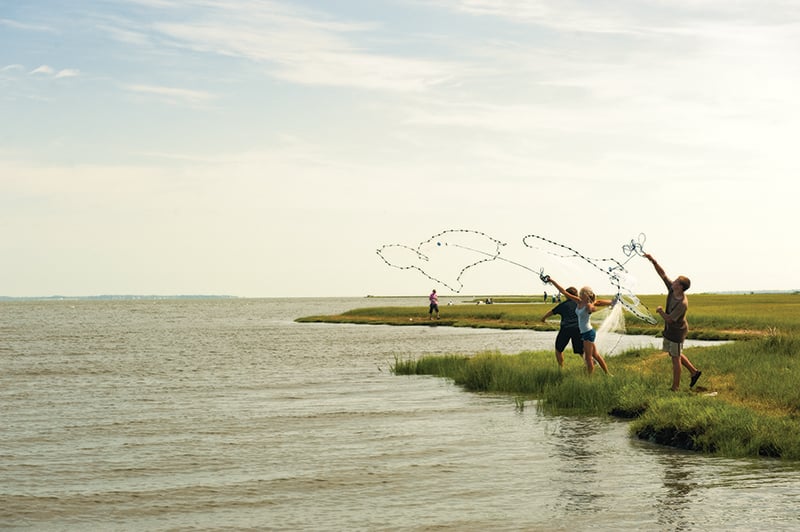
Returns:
(568, 330)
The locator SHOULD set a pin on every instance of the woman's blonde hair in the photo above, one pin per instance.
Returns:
(589, 293)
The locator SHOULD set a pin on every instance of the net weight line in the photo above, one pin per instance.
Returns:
(438, 238)
(624, 295)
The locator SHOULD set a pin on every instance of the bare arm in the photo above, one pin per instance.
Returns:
(561, 289)
(603, 302)
(666, 317)
(600, 303)
(659, 270)
(549, 313)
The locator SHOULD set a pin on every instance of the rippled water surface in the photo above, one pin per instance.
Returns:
(207, 414)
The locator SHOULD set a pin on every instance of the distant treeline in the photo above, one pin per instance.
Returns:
(111, 297)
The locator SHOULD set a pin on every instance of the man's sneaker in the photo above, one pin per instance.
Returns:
(694, 379)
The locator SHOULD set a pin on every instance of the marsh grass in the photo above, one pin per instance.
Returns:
(738, 315)
(746, 404)
(705, 424)
(712, 316)
(763, 373)
(525, 373)
(500, 316)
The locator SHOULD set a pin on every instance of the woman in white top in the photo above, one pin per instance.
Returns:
(587, 303)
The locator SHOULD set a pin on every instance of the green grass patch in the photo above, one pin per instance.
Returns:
(712, 316)
(706, 424)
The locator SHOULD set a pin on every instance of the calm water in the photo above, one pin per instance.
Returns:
(176, 415)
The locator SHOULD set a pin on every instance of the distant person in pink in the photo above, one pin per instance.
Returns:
(434, 305)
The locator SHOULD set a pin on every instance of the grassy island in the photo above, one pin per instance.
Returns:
(747, 403)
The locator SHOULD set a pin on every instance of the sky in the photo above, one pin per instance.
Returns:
(271, 148)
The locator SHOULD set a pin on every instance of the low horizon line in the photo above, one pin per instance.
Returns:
(226, 296)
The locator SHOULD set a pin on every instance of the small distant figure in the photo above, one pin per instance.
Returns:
(433, 308)
(545, 296)
(489, 301)
(586, 304)
(675, 325)
(568, 331)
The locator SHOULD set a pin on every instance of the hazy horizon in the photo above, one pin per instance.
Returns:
(366, 296)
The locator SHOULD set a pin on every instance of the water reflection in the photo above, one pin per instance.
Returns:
(699, 491)
(674, 504)
(578, 463)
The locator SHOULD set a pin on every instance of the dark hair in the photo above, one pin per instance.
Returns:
(685, 282)
(572, 290)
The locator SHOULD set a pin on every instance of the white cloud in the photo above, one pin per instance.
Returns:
(300, 46)
(23, 26)
(44, 69)
(47, 70)
(67, 73)
(172, 94)
(627, 17)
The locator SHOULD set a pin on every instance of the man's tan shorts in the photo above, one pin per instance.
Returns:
(673, 348)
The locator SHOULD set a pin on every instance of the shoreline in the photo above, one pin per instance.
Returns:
(747, 403)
